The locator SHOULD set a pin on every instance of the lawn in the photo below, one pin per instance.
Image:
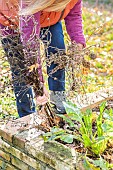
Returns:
(98, 29)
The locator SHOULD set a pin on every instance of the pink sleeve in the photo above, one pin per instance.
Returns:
(73, 23)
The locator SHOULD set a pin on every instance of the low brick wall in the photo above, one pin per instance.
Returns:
(22, 148)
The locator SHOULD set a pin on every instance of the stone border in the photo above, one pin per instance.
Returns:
(92, 100)
(23, 148)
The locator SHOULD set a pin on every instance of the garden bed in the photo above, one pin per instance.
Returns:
(22, 144)
(89, 132)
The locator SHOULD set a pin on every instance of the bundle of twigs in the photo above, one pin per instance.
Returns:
(72, 60)
(27, 69)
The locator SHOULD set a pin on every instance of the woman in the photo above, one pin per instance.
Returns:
(48, 14)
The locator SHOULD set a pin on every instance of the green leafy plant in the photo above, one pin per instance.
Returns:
(108, 114)
(94, 141)
(97, 141)
(63, 135)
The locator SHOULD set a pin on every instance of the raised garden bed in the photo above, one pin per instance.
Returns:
(22, 145)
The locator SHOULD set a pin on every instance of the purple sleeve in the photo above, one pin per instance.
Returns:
(29, 31)
(73, 23)
(5, 31)
(29, 27)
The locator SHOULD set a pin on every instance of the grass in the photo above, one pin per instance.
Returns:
(98, 25)
(7, 98)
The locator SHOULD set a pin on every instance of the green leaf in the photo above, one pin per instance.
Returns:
(78, 137)
(54, 134)
(102, 107)
(86, 165)
(89, 165)
(101, 163)
(100, 139)
(106, 115)
(53, 137)
(47, 134)
(87, 141)
(107, 126)
(68, 138)
(111, 112)
(88, 121)
(100, 118)
(99, 147)
(83, 129)
(73, 111)
(68, 120)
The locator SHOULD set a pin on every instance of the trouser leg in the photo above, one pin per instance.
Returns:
(23, 93)
(54, 35)
(56, 81)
